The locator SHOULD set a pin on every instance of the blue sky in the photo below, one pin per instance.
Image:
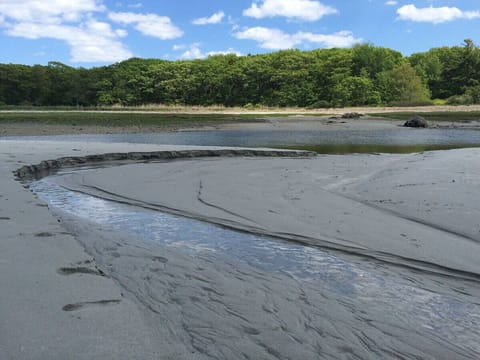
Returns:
(99, 32)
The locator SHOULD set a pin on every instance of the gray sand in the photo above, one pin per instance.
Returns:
(47, 313)
(160, 303)
(417, 210)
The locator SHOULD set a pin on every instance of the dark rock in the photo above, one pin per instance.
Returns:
(352, 115)
(416, 122)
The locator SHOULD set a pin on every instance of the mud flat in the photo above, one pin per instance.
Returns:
(43, 123)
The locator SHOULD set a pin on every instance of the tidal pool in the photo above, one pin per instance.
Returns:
(374, 309)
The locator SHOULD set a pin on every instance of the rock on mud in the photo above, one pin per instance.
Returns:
(416, 122)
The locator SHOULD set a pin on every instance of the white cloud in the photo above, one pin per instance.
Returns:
(148, 24)
(268, 38)
(391, 3)
(224, 52)
(214, 19)
(194, 52)
(121, 33)
(177, 47)
(91, 42)
(275, 39)
(300, 9)
(434, 15)
(51, 12)
(339, 39)
(69, 21)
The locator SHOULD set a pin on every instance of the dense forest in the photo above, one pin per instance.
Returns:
(362, 75)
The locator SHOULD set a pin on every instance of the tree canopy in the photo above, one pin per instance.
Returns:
(362, 75)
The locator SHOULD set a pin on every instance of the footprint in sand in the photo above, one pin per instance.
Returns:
(81, 305)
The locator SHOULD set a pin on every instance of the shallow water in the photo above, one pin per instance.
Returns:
(424, 307)
(397, 140)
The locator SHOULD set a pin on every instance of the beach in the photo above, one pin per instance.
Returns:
(77, 289)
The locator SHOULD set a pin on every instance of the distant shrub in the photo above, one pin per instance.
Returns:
(250, 106)
(439, 102)
(474, 94)
(401, 103)
(320, 104)
(460, 100)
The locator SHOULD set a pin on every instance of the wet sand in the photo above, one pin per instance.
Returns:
(418, 211)
(55, 302)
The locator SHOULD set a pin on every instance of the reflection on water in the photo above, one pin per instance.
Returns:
(325, 141)
(360, 284)
(376, 148)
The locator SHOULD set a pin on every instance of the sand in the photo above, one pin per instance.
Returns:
(47, 312)
(56, 302)
(417, 210)
(103, 295)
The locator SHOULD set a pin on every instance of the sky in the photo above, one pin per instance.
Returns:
(87, 33)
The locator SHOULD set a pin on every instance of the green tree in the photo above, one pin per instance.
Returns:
(429, 67)
(402, 86)
(356, 91)
(329, 68)
(370, 60)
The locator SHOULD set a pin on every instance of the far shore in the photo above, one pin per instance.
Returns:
(162, 119)
(206, 110)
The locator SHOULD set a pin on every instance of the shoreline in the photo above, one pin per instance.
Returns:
(264, 123)
(260, 111)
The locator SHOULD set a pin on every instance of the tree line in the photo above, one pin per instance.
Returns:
(357, 76)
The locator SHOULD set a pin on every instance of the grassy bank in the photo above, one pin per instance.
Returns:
(108, 119)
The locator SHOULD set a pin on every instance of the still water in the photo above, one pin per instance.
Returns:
(397, 140)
